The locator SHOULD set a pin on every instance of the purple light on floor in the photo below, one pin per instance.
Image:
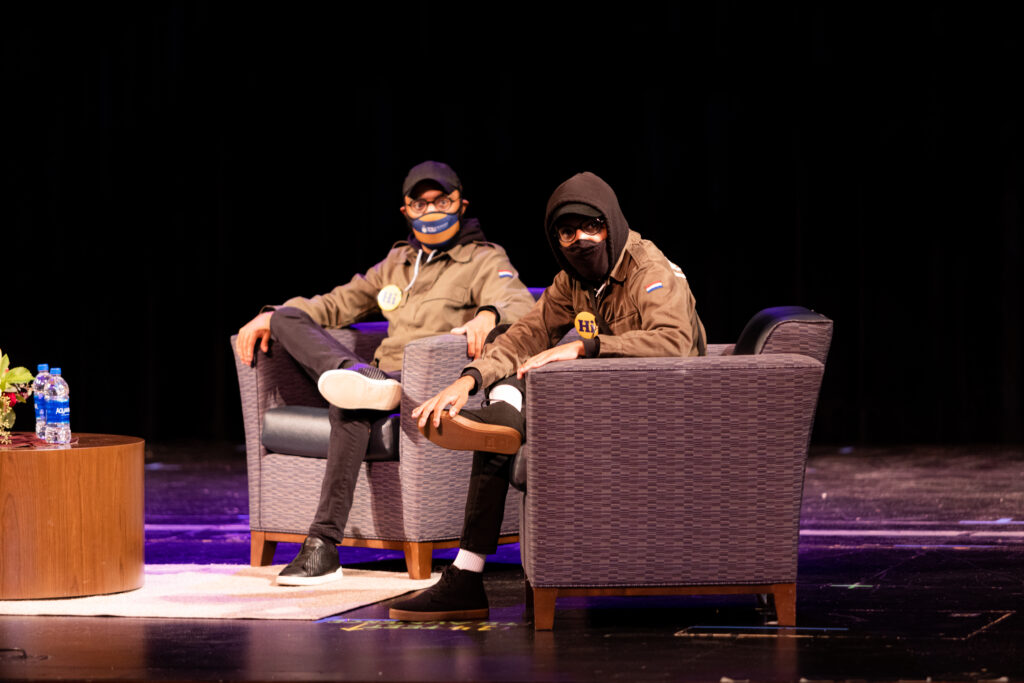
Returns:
(243, 528)
(1001, 520)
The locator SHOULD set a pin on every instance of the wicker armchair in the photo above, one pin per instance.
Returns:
(694, 464)
(413, 503)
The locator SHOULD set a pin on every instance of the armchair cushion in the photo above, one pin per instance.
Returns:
(306, 431)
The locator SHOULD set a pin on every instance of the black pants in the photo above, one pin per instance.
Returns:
(488, 488)
(316, 352)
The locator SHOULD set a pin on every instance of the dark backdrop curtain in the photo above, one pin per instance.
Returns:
(167, 171)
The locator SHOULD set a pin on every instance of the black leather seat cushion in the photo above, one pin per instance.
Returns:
(306, 431)
(756, 332)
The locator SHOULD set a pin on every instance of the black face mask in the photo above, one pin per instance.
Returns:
(588, 258)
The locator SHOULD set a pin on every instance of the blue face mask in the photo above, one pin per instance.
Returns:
(437, 233)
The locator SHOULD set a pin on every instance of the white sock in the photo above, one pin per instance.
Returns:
(469, 561)
(509, 394)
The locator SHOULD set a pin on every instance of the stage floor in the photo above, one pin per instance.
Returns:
(911, 568)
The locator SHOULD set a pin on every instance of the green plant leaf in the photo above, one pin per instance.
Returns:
(4, 363)
(18, 375)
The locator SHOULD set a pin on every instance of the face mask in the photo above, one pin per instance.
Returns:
(436, 233)
(588, 258)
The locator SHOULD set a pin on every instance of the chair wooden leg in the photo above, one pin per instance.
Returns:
(418, 557)
(528, 598)
(544, 608)
(261, 551)
(785, 603)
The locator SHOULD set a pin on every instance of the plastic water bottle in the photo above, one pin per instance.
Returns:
(39, 398)
(58, 409)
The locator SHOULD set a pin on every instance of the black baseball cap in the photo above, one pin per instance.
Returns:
(574, 208)
(438, 172)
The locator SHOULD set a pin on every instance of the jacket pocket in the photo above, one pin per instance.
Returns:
(625, 322)
(445, 310)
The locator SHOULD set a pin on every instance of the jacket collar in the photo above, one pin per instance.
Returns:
(460, 253)
(621, 269)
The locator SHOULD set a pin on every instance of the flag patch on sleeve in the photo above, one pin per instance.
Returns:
(654, 285)
(506, 273)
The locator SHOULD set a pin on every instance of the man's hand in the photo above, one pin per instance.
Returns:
(256, 330)
(455, 394)
(570, 351)
(476, 331)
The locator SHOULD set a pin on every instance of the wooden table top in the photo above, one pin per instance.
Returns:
(83, 441)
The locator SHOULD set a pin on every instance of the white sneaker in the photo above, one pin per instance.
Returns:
(365, 388)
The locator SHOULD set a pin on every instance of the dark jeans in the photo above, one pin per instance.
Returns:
(316, 351)
(488, 488)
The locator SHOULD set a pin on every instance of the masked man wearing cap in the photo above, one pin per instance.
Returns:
(445, 278)
(623, 297)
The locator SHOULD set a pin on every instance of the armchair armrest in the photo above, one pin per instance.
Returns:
(434, 480)
(430, 364)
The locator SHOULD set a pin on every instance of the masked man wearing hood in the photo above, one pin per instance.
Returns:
(445, 278)
(623, 297)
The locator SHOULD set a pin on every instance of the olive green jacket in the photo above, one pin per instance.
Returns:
(447, 291)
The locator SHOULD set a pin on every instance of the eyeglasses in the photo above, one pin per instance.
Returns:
(567, 233)
(442, 203)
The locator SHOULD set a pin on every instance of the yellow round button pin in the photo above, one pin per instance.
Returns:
(586, 325)
(389, 298)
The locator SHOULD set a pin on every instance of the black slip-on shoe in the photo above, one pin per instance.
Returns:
(316, 563)
(495, 428)
(458, 595)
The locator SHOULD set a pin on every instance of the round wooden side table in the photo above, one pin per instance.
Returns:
(71, 518)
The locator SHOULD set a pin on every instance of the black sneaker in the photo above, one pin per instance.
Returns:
(316, 563)
(459, 594)
(360, 387)
(495, 428)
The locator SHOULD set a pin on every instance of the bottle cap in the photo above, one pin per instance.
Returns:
(55, 371)
(42, 367)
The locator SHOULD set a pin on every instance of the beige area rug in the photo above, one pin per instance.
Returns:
(228, 591)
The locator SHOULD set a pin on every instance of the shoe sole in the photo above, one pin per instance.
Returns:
(309, 580)
(349, 390)
(462, 434)
(453, 615)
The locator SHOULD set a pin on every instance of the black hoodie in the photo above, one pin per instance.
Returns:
(587, 188)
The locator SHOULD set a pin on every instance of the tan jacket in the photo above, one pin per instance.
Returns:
(646, 307)
(448, 291)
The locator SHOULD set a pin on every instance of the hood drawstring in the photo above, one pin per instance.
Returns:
(416, 268)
